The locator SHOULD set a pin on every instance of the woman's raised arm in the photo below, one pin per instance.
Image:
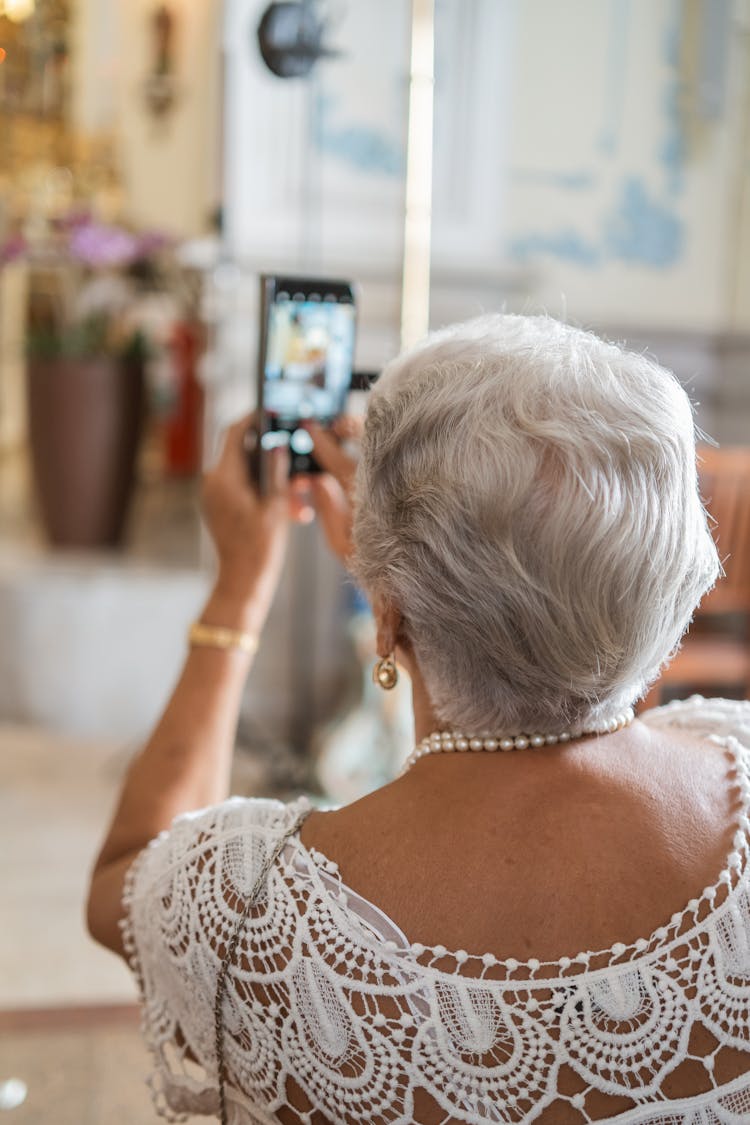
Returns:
(186, 763)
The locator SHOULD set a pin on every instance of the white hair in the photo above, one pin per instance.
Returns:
(527, 498)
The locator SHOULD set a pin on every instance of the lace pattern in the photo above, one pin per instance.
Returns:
(330, 1009)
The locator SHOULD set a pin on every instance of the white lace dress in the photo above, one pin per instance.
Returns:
(331, 1013)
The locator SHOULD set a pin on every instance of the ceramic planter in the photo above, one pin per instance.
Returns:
(85, 422)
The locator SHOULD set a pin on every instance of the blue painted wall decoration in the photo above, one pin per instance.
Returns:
(566, 244)
(578, 180)
(360, 146)
(641, 229)
(641, 225)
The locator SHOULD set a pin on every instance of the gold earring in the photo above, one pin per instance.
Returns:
(385, 672)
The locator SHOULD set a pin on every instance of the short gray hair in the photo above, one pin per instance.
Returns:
(527, 497)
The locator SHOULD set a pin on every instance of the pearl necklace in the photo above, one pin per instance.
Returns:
(448, 742)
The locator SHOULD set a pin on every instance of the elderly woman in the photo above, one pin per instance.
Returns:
(546, 917)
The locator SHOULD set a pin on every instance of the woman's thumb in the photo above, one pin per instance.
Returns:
(334, 512)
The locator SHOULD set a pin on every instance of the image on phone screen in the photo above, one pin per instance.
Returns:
(306, 366)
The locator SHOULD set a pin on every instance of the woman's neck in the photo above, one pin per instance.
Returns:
(425, 720)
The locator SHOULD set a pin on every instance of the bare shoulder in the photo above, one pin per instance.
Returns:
(541, 854)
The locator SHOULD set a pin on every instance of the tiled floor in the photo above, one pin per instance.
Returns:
(80, 1056)
(55, 797)
(82, 1067)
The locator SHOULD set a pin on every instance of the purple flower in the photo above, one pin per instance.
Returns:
(79, 217)
(100, 246)
(13, 248)
(151, 242)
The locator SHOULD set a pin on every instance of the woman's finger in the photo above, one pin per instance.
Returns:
(277, 477)
(301, 509)
(234, 434)
(234, 449)
(335, 514)
(349, 427)
(331, 457)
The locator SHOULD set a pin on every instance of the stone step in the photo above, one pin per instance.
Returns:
(91, 645)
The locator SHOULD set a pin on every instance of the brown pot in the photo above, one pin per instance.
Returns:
(85, 421)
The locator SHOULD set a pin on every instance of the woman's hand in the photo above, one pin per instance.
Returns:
(331, 491)
(250, 531)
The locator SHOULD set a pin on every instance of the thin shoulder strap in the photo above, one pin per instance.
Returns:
(221, 980)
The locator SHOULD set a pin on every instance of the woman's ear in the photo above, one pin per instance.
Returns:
(388, 623)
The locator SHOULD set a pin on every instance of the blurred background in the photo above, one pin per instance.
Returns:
(588, 159)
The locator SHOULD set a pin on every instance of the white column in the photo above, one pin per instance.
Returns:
(415, 296)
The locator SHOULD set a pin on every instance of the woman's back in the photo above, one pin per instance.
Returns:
(567, 849)
(417, 958)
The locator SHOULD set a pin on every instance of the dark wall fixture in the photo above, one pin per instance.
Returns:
(291, 36)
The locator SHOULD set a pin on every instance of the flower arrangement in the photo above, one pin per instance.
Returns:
(104, 306)
(93, 287)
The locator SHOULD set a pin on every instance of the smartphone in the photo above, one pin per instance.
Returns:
(305, 357)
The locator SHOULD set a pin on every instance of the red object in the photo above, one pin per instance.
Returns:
(183, 429)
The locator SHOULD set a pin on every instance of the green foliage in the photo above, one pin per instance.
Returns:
(93, 336)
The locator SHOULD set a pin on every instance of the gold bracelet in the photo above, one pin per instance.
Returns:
(217, 636)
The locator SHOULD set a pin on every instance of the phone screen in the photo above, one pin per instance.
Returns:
(306, 362)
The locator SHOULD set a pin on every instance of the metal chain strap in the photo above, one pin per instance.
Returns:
(221, 980)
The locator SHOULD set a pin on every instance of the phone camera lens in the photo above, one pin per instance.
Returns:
(301, 442)
(274, 439)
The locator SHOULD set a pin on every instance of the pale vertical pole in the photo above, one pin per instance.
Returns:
(415, 292)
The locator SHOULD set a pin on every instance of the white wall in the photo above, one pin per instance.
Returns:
(170, 168)
(591, 157)
(626, 165)
(314, 172)
(315, 167)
